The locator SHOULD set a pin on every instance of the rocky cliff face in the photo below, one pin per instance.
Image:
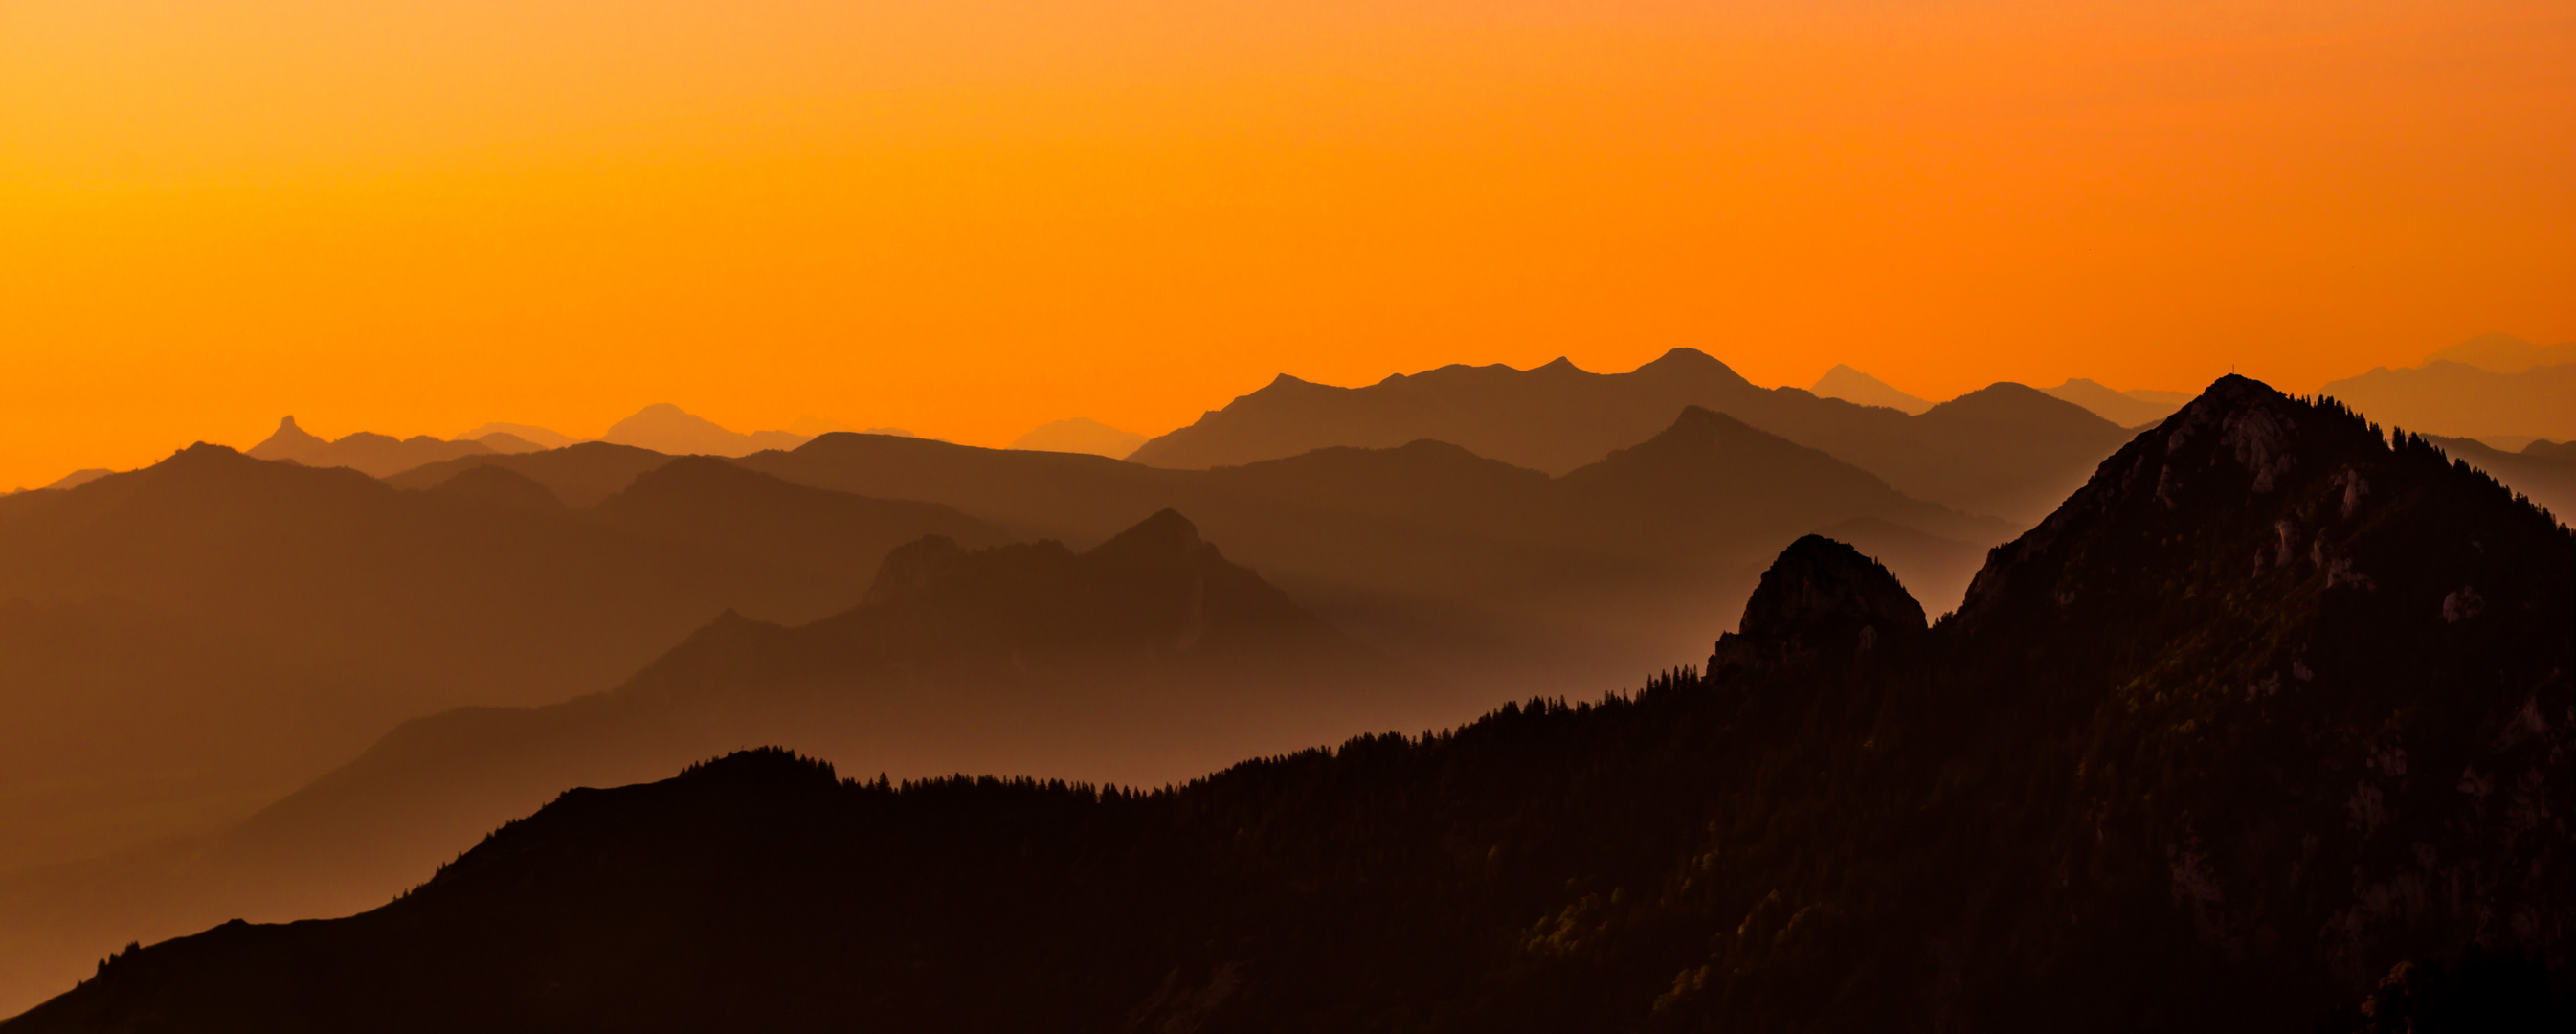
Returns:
(1821, 602)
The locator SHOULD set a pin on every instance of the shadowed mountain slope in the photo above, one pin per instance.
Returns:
(1146, 660)
(578, 475)
(2543, 470)
(2269, 711)
(2007, 450)
(1457, 562)
(195, 638)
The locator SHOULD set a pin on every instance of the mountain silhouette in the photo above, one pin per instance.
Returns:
(1850, 385)
(579, 475)
(1450, 560)
(2261, 730)
(2006, 450)
(2458, 400)
(1079, 434)
(540, 437)
(2504, 353)
(2543, 470)
(365, 451)
(288, 442)
(77, 478)
(505, 442)
(663, 427)
(1147, 659)
(2126, 409)
(182, 644)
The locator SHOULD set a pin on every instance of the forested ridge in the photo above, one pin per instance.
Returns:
(2266, 728)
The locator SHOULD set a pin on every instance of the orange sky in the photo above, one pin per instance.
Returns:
(967, 217)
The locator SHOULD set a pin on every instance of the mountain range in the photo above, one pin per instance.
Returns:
(1146, 659)
(2007, 450)
(2494, 386)
(2264, 728)
(217, 625)
(365, 451)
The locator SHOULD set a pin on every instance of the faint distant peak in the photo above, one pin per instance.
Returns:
(2504, 353)
(2127, 409)
(666, 428)
(77, 478)
(289, 442)
(1080, 434)
(1850, 385)
(537, 437)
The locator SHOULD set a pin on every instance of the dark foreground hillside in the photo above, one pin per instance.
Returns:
(2266, 729)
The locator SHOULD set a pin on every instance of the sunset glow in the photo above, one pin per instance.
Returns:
(971, 218)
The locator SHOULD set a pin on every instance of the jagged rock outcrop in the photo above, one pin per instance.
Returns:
(1821, 602)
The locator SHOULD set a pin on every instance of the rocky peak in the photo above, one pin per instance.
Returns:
(1820, 601)
(289, 442)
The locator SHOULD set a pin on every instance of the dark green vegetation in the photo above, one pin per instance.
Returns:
(2270, 721)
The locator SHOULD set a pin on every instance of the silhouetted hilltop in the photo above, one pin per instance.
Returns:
(663, 427)
(2008, 451)
(2260, 717)
(2449, 398)
(365, 451)
(288, 442)
(1821, 601)
(1080, 434)
(1850, 385)
(2126, 409)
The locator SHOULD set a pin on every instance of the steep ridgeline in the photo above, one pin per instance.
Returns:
(183, 644)
(2007, 450)
(1145, 660)
(2266, 729)
(2543, 470)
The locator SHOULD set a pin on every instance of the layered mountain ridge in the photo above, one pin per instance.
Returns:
(2267, 727)
(2006, 450)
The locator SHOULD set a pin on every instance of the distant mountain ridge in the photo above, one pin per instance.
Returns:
(373, 454)
(663, 427)
(2259, 731)
(1147, 659)
(2491, 386)
(2006, 450)
(1080, 434)
(184, 643)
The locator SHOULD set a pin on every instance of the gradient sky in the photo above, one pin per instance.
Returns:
(967, 217)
